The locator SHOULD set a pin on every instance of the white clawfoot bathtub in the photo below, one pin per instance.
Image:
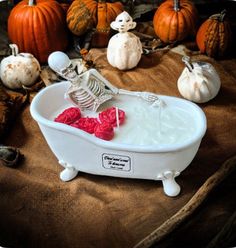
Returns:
(77, 150)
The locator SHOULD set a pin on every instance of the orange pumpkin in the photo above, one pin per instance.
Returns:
(84, 15)
(214, 35)
(174, 20)
(38, 27)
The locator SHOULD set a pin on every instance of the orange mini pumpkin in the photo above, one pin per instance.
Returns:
(174, 20)
(38, 27)
(214, 35)
(84, 15)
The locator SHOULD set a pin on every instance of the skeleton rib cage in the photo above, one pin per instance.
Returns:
(89, 93)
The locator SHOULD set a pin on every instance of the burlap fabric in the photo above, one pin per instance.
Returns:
(39, 210)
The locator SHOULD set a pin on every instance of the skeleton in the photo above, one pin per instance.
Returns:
(90, 89)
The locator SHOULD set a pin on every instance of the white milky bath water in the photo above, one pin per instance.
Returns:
(146, 125)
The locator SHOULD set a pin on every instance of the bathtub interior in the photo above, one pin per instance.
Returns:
(51, 101)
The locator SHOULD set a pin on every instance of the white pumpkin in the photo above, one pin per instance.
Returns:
(199, 81)
(124, 48)
(19, 69)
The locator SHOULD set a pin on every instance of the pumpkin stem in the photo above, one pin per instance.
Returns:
(14, 49)
(31, 2)
(220, 17)
(187, 61)
(176, 5)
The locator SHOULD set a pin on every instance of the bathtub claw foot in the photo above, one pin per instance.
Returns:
(171, 188)
(68, 173)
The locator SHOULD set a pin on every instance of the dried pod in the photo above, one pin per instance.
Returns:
(9, 156)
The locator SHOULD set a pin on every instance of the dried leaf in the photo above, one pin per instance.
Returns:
(141, 9)
(48, 76)
(10, 104)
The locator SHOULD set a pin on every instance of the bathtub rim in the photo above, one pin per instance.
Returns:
(114, 145)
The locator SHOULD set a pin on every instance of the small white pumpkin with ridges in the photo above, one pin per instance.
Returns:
(19, 69)
(199, 82)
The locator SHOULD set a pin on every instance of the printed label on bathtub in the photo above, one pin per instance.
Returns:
(116, 162)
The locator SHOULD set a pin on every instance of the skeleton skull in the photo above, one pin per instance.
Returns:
(60, 63)
(123, 22)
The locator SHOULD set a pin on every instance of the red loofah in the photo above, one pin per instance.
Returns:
(68, 116)
(104, 131)
(109, 116)
(87, 124)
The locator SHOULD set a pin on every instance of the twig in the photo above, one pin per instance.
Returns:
(147, 51)
(172, 223)
(143, 36)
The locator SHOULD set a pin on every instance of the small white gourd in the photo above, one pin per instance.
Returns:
(124, 48)
(199, 81)
(19, 69)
